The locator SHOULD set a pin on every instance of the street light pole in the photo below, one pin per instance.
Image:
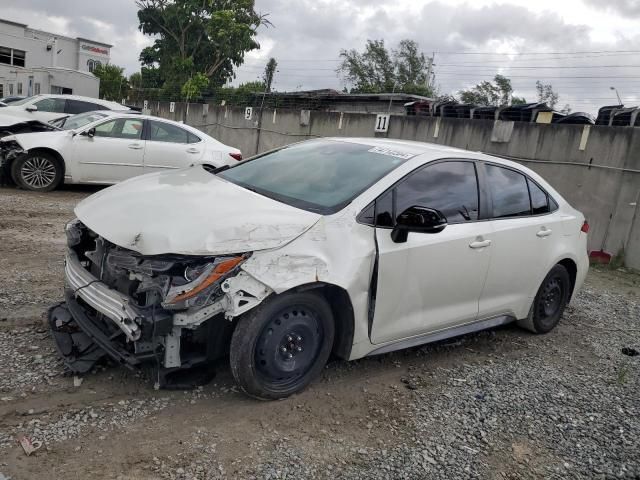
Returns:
(617, 94)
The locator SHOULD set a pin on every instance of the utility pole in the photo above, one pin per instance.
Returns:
(430, 65)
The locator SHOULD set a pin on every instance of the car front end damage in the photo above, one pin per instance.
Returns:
(172, 312)
(10, 149)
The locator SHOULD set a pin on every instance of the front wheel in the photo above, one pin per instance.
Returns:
(549, 303)
(279, 347)
(37, 171)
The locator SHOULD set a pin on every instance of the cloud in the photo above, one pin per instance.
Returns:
(308, 35)
(624, 7)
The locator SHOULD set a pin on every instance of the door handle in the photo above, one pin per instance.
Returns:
(545, 232)
(135, 146)
(193, 150)
(480, 244)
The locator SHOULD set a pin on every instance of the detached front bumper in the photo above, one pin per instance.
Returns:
(80, 340)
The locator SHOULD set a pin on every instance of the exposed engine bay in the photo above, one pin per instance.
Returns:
(174, 312)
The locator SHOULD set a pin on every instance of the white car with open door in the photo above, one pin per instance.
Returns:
(106, 147)
(351, 246)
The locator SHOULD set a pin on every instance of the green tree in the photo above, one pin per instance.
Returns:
(371, 71)
(113, 83)
(379, 70)
(411, 67)
(269, 73)
(486, 93)
(209, 37)
(194, 86)
(240, 95)
(546, 94)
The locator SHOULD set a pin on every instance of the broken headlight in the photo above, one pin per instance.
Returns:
(203, 283)
(73, 230)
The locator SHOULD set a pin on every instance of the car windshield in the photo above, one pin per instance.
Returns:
(22, 102)
(319, 175)
(80, 120)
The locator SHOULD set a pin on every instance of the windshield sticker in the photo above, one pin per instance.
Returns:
(391, 153)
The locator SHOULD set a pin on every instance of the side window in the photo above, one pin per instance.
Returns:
(77, 106)
(165, 132)
(130, 129)
(509, 192)
(56, 105)
(384, 210)
(105, 129)
(193, 138)
(539, 199)
(451, 187)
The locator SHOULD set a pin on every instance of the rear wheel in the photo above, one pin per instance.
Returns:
(37, 171)
(550, 302)
(278, 348)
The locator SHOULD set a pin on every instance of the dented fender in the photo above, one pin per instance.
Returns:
(337, 251)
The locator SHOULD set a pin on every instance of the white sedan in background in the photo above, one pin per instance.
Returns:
(106, 147)
(47, 107)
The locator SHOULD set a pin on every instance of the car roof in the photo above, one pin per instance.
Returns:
(105, 103)
(138, 115)
(425, 150)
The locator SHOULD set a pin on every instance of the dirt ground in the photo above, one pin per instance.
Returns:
(115, 425)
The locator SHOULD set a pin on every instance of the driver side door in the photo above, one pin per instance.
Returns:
(431, 281)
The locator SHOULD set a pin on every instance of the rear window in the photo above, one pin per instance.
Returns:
(509, 192)
(78, 106)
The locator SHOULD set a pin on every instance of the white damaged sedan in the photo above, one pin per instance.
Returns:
(350, 247)
(106, 147)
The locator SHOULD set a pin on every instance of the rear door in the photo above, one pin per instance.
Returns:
(432, 281)
(170, 146)
(525, 229)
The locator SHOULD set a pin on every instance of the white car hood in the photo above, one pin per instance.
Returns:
(190, 212)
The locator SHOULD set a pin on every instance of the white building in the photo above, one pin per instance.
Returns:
(33, 62)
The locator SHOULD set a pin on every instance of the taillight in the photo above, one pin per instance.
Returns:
(236, 156)
(585, 227)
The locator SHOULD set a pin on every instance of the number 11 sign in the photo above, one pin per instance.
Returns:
(382, 122)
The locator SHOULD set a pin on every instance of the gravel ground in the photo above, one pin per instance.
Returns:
(502, 404)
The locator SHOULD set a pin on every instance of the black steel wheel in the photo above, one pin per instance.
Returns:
(550, 301)
(279, 347)
(37, 171)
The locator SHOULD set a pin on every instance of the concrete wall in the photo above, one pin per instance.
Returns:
(597, 169)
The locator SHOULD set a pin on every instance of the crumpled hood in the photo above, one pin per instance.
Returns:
(190, 212)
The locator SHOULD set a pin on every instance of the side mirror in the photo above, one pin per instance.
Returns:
(417, 219)
(31, 108)
(89, 133)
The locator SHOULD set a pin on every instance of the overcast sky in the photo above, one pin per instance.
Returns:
(472, 40)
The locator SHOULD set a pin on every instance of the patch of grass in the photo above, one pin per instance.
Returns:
(622, 376)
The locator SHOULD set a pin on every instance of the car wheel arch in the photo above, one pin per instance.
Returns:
(339, 301)
(572, 269)
(52, 152)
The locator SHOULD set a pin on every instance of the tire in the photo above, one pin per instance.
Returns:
(281, 346)
(550, 301)
(37, 171)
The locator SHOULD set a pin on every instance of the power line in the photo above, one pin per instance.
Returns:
(539, 53)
